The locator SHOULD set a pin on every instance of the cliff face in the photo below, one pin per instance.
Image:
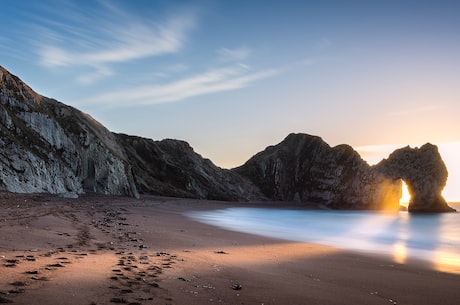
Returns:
(305, 168)
(172, 168)
(51, 147)
(47, 146)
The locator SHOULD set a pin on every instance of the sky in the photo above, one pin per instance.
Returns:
(232, 77)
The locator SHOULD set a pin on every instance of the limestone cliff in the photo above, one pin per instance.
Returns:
(47, 146)
(305, 168)
(172, 168)
(424, 173)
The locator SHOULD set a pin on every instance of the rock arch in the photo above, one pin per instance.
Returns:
(425, 174)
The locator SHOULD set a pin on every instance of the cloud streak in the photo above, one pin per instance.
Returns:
(237, 54)
(111, 38)
(138, 41)
(212, 81)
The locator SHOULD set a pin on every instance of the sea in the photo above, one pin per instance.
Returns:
(433, 239)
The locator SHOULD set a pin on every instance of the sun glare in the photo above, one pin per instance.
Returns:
(449, 153)
(405, 198)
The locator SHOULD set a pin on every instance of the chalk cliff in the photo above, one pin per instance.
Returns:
(47, 146)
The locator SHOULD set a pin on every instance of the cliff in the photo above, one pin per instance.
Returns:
(172, 168)
(47, 146)
(305, 168)
(51, 147)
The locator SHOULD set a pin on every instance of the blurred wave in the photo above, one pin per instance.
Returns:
(433, 238)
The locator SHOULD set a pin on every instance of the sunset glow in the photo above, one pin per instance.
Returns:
(450, 153)
(232, 78)
(405, 198)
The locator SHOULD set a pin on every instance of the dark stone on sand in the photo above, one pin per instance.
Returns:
(237, 287)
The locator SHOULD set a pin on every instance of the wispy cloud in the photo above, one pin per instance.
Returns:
(216, 80)
(108, 38)
(237, 54)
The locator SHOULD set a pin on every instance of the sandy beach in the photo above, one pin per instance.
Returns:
(115, 250)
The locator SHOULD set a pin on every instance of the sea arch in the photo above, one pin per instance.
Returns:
(425, 174)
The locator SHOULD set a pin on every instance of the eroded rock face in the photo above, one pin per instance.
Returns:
(172, 168)
(425, 174)
(50, 147)
(305, 168)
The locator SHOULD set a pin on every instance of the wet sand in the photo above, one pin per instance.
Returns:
(116, 250)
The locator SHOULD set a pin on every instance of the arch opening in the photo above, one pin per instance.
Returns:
(405, 195)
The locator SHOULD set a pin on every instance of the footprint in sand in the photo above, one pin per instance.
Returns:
(9, 263)
(41, 278)
(53, 266)
(31, 258)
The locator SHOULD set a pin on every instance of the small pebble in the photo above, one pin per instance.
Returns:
(237, 287)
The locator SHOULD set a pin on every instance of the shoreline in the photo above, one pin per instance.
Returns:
(146, 251)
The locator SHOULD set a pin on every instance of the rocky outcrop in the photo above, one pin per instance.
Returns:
(172, 168)
(305, 168)
(51, 147)
(424, 173)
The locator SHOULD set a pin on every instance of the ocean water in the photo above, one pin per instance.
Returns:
(431, 238)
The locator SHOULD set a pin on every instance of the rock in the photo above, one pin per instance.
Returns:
(71, 195)
(173, 168)
(425, 174)
(49, 147)
(237, 287)
(305, 168)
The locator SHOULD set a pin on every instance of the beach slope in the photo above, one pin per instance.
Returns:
(107, 250)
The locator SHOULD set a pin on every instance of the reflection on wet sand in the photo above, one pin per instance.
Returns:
(403, 236)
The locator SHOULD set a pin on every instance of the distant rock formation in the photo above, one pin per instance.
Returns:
(172, 168)
(424, 173)
(50, 147)
(305, 168)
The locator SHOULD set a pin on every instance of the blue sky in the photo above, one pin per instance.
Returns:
(231, 77)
